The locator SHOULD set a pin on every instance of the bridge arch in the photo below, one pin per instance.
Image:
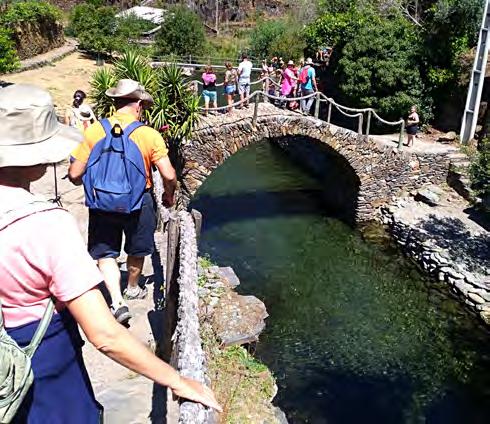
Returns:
(382, 171)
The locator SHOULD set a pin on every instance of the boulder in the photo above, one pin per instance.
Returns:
(427, 196)
(228, 276)
(239, 319)
(449, 137)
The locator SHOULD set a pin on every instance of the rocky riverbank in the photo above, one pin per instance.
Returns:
(439, 230)
(230, 324)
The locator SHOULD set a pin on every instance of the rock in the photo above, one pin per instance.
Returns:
(476, 298)
(449, 137)
(428, 197)
(280, 415)
(485, 315)
(229, 276)
(239, 319)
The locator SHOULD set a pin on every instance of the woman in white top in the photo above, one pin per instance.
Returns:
(79, 115)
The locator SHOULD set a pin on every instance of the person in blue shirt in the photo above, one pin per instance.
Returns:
(308, 85)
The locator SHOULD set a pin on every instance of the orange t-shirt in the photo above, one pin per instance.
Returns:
(148, 140)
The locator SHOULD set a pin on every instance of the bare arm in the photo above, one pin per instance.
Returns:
(113, 340)
(76, 171)
(314, 83)
(169, 178)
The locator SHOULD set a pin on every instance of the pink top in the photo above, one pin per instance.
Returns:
(208, 78)
(287, 82)
(42, 255)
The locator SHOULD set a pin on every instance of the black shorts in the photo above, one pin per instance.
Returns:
(106, 229)
(412, 130)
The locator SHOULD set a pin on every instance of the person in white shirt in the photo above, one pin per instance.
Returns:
(244, 72)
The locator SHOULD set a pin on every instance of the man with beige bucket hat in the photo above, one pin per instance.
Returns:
(43, 257)
(106, 223)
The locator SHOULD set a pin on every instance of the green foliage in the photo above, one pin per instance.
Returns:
(182, 33)
(376, 68)
(99, 30)
(29, 11)
(175, 104)
(480, 170)
(205, 262)
(282, 38)
(9, 60)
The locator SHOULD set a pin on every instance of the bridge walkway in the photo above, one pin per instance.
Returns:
(266, 109)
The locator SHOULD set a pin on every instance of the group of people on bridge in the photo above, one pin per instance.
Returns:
(280, 81)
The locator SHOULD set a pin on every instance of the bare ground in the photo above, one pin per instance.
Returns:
(61, 78)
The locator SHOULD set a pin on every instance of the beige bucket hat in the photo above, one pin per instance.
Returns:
(31, 134)
(130, 89)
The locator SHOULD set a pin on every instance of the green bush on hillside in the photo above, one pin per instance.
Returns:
(9, 60)
(182, 33)
(98, 28)
(281, 38)
(29, 11)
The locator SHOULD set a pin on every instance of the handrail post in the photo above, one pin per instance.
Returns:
(402, 135)
(368, 124)
(317, 105)
(329, 116)
(359, 127)
(256, 109)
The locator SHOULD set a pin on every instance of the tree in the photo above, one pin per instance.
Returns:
(182, 33)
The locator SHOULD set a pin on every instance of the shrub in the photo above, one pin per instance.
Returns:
(480, 170)
(182, 33)
(29, 11)
(281, 38)
(9, 60)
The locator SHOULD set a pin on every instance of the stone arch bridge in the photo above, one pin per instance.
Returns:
(380, 169)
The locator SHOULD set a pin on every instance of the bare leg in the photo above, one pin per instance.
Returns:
(112, 279)
(409, 140)
(206, 106)
(135, 267)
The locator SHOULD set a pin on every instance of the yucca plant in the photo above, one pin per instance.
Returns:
(102, 79)
(175, 106)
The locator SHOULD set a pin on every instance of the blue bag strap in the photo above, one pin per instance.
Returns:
(131, 127)
(107, 126)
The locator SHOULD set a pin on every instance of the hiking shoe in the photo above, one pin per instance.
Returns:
(134, 293)
(122, 315)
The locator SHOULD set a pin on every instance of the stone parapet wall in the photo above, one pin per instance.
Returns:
(467, 281)
(188, 353)
(383, 170)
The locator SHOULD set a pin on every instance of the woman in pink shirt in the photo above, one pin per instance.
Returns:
(209, 88)
(288, 80)
(43, 257)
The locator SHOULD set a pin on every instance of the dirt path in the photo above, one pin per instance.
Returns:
(61, 78)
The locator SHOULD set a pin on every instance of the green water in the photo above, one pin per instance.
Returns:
(355, 334)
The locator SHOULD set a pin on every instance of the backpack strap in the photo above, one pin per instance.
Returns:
(41, 330)
(131, 127)
(106, 125)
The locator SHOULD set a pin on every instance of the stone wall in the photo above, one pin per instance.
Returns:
(434, 248)
(383, 171)
(33, 38)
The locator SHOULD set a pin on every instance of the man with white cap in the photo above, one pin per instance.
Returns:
(43, 257)
(106, 228)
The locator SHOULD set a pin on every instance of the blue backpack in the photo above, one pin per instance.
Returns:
(115, 176)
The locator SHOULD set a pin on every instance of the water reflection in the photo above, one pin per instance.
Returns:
(354, 334)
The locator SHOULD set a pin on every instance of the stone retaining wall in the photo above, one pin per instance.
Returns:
(383, 171)
(470, 284)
